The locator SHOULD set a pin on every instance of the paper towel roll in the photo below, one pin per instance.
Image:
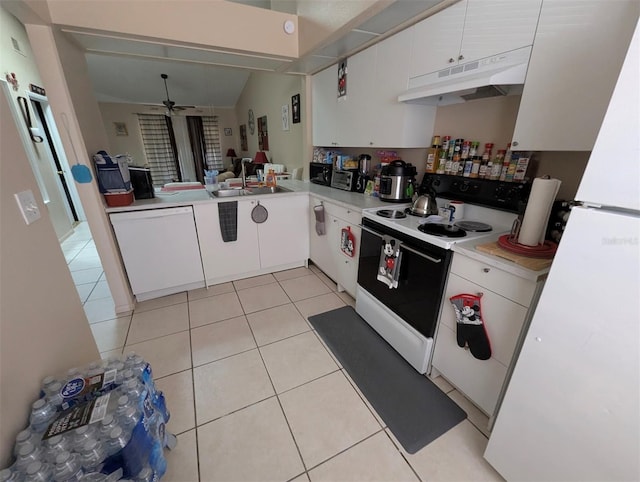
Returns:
(536, 216)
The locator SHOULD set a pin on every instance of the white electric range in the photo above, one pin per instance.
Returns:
(402, 271)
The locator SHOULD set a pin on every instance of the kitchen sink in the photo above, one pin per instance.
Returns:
(249, 191)
(230, 192)
(267, 190)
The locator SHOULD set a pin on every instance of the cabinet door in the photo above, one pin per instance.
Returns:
(437, 39)
(397, 124)
(347, 265)
(319, 244)
(480, 380)
(284, 236)
(355, 110)
(577, 55)
(324, 93)
(224, 260)
(495, 26)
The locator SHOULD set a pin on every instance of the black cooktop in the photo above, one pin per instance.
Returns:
(442, 230)
(506, 196)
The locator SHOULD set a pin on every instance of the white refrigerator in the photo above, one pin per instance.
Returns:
(571, 411)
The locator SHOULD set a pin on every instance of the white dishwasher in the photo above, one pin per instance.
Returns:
(160, 250)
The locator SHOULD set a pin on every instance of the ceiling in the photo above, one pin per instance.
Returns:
(210, 77)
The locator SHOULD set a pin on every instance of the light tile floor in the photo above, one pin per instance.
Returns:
(254, 394)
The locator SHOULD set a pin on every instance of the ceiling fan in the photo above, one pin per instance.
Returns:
(170, 105)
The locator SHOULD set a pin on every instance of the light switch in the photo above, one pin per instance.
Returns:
(28, 207)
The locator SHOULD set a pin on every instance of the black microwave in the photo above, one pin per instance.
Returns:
(320, 173)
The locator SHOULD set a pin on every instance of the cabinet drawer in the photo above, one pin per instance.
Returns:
(351, 216)
(503, 318)
(480, 380)
(508, 285)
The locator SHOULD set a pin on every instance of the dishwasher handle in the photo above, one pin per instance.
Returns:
(150, 214)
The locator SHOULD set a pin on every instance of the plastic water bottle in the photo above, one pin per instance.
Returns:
(92, 455)
(9, 475)
(94, 477)
(39, 472)
(25, 436)
(81, 435)
(94, 369)
(118, 440)
(133, 388)
(56, 445)
(53, 395)
(28, 453)
(46, 383)
(68, 467)
(42, 414)
(145, 475)
(128, 418)
(107, 424)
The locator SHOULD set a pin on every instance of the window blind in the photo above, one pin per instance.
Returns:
(158, 148)
(213, 154)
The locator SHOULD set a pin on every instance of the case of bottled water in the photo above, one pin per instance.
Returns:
(104, 422)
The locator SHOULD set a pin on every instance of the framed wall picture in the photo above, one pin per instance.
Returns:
(263, 134)
(227, 131)
(120, 128)
(295, 108)
(285, 117)
(244, 145)
(342, 78)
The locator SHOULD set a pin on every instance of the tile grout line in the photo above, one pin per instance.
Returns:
(295, 442)
(193, 389)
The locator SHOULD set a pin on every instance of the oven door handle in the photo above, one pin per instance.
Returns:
(415, 251)
(368, 230)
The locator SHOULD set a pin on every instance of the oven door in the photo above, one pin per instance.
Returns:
(421, 276)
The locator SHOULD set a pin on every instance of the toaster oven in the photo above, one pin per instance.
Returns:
(344, 179)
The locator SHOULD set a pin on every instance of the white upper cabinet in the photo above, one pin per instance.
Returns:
(471, 30)
(437, 39)
(370, 114)
(324, 95)
(577, 55)
(495, 26)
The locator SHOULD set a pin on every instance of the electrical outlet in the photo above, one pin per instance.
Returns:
(28, 207)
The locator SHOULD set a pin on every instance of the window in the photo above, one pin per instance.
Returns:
(159, 148)
(185, 152)
(213, 153)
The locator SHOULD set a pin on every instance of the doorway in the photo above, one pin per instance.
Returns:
(44, 121)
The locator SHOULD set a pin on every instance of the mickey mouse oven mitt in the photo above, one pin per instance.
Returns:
(471, 330)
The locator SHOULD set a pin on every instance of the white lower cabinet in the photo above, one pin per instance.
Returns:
(226, 259)
(283, 237)
(280, 242)
(325, 251)
(481, 380)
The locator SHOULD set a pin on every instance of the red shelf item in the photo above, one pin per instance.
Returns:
(544, 250)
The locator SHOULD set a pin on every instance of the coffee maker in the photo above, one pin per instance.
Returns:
(364, 170)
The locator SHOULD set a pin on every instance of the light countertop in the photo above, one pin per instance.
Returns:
(468, 248)
(351, 200)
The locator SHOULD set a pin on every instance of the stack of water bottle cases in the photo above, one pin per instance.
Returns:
(101, 423)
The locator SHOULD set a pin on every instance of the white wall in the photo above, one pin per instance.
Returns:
(24, 66)
(265, 94)
(43, 327)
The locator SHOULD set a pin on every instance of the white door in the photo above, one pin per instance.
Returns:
(571, 411)
(324, 94)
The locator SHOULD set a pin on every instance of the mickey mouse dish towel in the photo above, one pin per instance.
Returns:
(389, 265)
(471, 330)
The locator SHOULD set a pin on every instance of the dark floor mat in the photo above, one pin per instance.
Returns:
(415, 410)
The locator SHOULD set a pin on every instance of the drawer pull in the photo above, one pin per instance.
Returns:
(486, 270)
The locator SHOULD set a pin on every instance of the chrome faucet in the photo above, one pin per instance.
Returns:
(244, 172)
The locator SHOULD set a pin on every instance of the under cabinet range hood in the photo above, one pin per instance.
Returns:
(501, 74)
